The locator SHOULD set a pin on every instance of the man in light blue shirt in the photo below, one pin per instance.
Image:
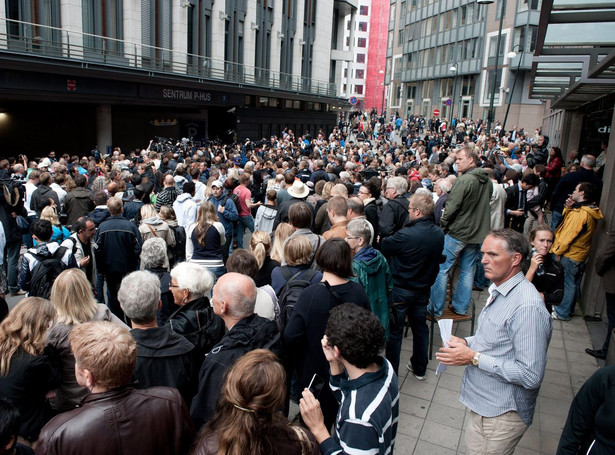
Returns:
(507, 357)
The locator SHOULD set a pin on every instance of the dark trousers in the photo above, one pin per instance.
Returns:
(11, 253)
(113, 286)
(414, 305)
(610, 313)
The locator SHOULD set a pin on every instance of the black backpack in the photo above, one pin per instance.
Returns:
(289, 294)
(45, 273)
(179, 251)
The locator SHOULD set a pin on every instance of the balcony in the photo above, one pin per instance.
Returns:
(25, 39)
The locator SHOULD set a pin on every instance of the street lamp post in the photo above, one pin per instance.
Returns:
(511, 55)
(453, 69)
(497, 55)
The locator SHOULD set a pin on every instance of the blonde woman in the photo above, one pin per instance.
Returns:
(60, 233)
(27, 369)
(204, 240)
(282, 232)
(74, 304)
(152, 226)
(260, 245)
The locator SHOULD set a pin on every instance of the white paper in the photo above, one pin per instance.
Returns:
(446, 330)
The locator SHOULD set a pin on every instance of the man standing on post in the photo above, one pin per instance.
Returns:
(245, 209)
(507, 356)
(465, 221)
(414, 254)
(117, 253)
(573, 239)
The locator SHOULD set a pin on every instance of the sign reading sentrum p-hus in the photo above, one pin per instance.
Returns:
(183, 95)
(190, 95)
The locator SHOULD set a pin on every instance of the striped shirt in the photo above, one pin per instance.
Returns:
(514, 330)
(366, 422)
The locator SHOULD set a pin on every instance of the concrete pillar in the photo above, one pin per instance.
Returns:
(104, 129)
(592, 294)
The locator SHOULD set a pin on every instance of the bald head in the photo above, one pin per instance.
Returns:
(168, 180)
(339, 190)
(238, 292)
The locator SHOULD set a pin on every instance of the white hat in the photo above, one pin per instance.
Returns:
(298, 190)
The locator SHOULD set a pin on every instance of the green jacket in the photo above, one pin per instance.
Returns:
(467, 215)
(371, 270)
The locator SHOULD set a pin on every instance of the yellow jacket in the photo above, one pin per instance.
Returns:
(574, 235)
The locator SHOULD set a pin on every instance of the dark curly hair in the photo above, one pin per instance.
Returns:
(357, 333)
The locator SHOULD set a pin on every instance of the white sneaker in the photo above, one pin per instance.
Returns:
(555, 316)
(419, 378)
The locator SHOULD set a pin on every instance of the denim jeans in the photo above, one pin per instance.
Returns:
(243, 223)
(467, 253)
(573, 273)
(414, 304)
(11, 254)
(555, 217)
(480, 281)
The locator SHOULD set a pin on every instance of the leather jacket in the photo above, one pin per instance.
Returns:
(120, 421)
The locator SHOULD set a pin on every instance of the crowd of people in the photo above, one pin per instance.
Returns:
(196, 292)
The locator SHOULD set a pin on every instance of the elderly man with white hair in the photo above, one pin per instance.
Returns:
(442, 188)
(194, 319)
(164, 358)
(233, 300)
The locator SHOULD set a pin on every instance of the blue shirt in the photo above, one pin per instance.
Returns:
(514, 331)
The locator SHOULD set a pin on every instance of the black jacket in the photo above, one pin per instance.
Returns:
(28, 380)
(551, 284)
(372, 214)
(253, 332)
(8, 206)
(414, 254)
(393, 217)
(118, 246)
(164, 358)
(197, 322)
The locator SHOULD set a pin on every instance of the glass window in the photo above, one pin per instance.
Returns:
(358, 89)
(364, 10)
(362, 26)
(360, 58)
(361, 42)
(359, 74)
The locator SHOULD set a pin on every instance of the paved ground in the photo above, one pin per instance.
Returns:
(432, 420)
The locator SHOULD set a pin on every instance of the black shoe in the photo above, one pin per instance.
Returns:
(597, 353)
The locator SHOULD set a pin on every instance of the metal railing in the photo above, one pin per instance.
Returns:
(26, 38)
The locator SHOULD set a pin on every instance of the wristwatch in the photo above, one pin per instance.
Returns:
(475, 359)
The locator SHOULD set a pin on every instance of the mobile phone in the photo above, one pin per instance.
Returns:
(316, 385)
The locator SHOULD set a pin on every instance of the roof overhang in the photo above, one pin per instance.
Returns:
(574, 60)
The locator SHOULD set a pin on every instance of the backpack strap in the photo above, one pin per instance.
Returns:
(333, 292)
(151, 229)
(287, 274)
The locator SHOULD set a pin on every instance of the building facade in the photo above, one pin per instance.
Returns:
(118, 72)
(441, 56)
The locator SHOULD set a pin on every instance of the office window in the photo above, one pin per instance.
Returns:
(360, 58)
(359, 74)
(364, 10)
(358, 89)
(361, 42)
(362, 26)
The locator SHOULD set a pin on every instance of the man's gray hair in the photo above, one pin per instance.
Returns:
(588, 161)
(515, 241)
(445, 185)
(193, 277)
(400, 184)
(139, 295)
(240, 303)
(360, 227)
(154, 253)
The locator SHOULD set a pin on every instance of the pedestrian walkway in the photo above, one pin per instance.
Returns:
(432, 420)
